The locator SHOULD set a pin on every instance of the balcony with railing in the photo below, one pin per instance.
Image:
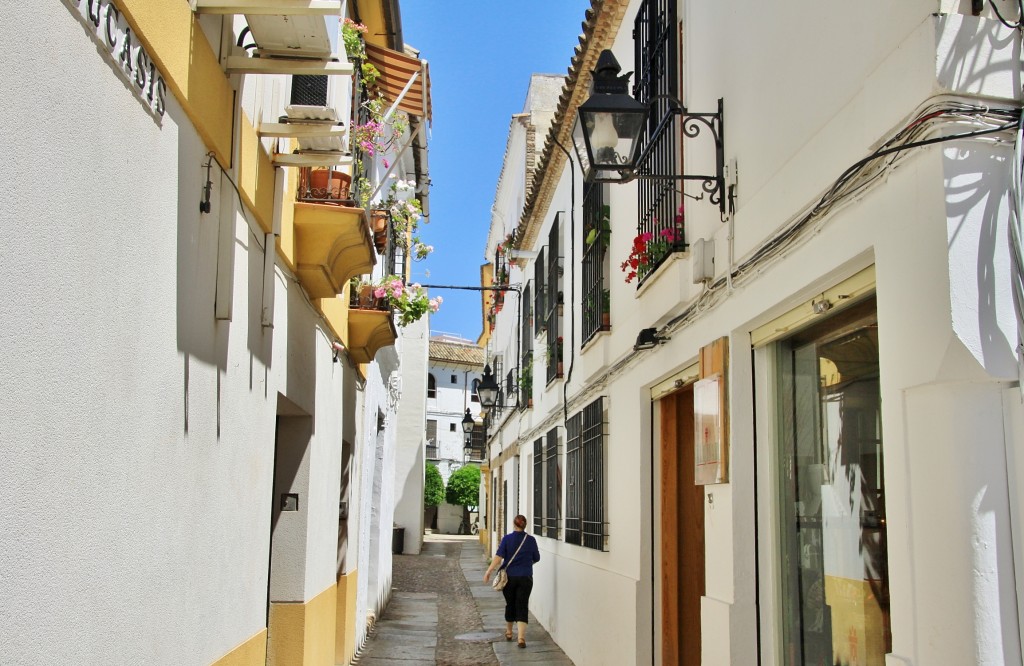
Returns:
(371, 324)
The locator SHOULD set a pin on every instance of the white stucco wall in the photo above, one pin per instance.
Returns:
(409, 462)
(140, 430)
(797, 116)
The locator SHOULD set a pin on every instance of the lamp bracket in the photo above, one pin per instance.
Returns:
(692, 126)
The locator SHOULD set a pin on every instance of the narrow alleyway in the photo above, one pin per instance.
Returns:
(441, 612)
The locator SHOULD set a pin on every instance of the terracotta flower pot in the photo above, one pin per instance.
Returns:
(329, 184)
(379, 221)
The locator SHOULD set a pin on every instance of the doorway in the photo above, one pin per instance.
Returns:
(682, 531)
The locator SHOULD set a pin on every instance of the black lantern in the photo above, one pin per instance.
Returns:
(609, 126)
(468, 423)
(487, 389)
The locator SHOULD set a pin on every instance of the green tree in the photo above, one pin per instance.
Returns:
(433, 487)
(464, 486)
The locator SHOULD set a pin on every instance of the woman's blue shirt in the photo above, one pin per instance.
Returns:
(522, 565)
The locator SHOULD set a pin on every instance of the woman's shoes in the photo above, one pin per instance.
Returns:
(508, 635)
(522, 643)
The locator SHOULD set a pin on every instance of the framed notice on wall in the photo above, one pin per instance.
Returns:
(710, 448)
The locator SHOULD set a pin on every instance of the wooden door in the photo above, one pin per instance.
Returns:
(682, 531)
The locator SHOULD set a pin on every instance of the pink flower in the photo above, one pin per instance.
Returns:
(380, 292)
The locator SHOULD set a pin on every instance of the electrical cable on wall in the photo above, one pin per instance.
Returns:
(856, 181)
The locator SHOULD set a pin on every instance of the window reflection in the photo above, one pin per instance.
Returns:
(834, 551)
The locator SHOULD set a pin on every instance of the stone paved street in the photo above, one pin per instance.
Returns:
(441, 612)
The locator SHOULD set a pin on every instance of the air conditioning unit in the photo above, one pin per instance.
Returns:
(309, 90)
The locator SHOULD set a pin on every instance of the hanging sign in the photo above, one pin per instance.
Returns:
(111, 29)
(710, 416)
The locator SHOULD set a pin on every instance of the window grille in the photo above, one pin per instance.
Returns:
(584, 462)
(595, 261)
(501, 275)
(538, 486)
(432, 439)
(510, 382)
(540, 321)
(499, 402)
(477, 444)
(553, 301)
(526, 334)
(656, 41)
(552, 486)
(395, 252)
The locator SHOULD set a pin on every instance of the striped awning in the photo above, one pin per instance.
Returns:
(397, 70)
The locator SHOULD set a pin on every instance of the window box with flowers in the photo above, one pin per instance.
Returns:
(372, 306)
(651, 247)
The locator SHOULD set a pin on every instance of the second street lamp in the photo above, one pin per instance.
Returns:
(488, 388)
(468, 423)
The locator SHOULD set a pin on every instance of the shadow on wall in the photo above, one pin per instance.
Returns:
(977, 210)
(200, 336)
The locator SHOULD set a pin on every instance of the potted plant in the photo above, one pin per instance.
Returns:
(602, 226)
(596, 306)
(526, 381)
(410, 302)
(554, 353)
(649, 249)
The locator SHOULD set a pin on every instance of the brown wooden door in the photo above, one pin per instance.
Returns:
(682, 530)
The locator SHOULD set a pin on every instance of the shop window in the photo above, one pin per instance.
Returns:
(833, 545)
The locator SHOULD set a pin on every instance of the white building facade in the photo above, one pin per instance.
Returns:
(796, 437)
(218, 463)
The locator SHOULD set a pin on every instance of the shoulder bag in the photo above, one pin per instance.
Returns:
(501, 578)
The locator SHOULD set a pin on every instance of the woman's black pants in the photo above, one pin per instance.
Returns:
(517, 598)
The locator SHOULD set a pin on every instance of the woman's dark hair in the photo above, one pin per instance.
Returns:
(519, 521)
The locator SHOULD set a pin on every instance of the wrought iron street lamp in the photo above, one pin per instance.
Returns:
(488, 388)
(468, 423)
(610, 124)
(611, 128)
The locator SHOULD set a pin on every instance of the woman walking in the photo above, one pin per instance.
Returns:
(519, 551)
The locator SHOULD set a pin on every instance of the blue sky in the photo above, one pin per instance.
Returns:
(481, 54)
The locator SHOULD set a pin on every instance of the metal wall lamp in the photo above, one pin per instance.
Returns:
(468, 423)
(609, 133)
(488, 389)
(649, 339)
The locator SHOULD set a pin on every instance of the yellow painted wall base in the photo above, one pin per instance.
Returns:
(303, 634)
(252, 652)
(345, 628)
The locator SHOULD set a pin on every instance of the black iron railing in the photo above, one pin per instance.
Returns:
(656, 41)
(596, 229)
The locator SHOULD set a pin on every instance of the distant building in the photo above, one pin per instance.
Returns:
(455, 368)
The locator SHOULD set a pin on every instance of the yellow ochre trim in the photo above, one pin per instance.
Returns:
(840, 296)
(303, 633)
(252, 652)
(345, 626)
(176, 42)
(256, 177)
